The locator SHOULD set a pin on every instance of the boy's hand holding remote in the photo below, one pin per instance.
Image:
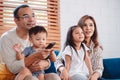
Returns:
(52, 55)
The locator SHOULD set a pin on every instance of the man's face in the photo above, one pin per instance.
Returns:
(26, 18)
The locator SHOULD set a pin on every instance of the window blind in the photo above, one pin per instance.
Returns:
(47, 15)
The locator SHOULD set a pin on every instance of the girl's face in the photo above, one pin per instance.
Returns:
(39, 40)
(78, 35)
(88, 28)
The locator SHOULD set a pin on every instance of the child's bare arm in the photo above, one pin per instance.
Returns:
(19, 56)
(52, 56)
(88, 63)
(17, 48)
(67, 62)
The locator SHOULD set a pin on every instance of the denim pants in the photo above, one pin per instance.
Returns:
(80, 77)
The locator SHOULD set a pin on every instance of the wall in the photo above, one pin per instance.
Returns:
(106, 14)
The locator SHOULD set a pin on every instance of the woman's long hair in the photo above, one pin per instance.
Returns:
(94, 37)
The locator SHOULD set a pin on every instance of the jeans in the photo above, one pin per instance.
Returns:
(78, 77)
(52, 76)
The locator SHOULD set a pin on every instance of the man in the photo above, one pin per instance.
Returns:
(24, 18)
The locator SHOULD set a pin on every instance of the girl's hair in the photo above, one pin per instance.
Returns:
(94, 37)
(69, 39)
(37, 29)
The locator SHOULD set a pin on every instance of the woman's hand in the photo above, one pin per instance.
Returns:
(64, 75)
(39, 65)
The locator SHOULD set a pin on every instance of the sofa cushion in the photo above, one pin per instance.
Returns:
(111, 68)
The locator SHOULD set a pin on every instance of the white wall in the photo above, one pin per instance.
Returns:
(106, 14)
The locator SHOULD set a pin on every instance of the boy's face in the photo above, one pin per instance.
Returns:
(38, 40)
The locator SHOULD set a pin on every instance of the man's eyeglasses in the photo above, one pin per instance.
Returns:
(27, 16)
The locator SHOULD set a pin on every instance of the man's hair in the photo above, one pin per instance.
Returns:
(37, 29)
(15, 13)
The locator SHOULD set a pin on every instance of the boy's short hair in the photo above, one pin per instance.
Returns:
(37, 29)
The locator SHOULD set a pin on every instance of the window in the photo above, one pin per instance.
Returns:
(47, 12)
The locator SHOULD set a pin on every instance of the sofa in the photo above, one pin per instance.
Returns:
(111, 69)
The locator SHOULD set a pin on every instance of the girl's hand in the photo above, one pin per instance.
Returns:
(93, 77)
(64, 75)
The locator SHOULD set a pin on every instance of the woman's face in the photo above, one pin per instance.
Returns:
(88, 28)
(78, 34)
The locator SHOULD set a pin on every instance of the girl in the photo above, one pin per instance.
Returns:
(75, 54)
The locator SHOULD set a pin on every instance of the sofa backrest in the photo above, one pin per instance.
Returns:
(111, 68)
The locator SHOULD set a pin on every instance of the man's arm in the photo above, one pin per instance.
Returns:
(39, 65)
(36, 55)
(36, 62)
(9, 55)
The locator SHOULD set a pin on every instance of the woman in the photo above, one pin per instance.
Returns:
(89, 27)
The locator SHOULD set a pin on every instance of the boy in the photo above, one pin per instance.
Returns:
(37, 36)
